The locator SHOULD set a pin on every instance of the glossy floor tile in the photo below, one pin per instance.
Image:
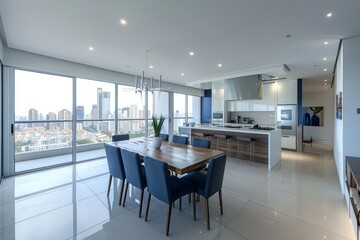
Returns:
(299, 199)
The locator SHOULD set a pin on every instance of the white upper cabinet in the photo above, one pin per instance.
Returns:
(287, 92)
(217, 95)
(267, 103)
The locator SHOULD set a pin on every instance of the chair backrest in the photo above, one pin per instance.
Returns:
(196, 142)
(114, 160)
(157, 177)
(164, 136)
(120, 137)
(215, 175)
(180, 139)
(135, 173)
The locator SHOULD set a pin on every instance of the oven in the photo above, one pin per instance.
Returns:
(286, 121)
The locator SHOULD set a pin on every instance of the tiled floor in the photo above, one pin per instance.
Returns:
(299, 199)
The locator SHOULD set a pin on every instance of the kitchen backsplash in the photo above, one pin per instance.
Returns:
(262, 118)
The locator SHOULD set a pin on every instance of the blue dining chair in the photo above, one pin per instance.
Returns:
(116, 167)
(197, 142)
(135, 174)
(164, 187)
(164, 137)
(180, 139)
(120, 137)
(209, 184)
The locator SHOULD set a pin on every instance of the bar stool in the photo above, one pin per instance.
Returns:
(202, 135)
(244, 140)
(222, 138)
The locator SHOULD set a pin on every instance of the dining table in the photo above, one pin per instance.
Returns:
(180, 158)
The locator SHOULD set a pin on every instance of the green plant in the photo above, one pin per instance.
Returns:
(157, 124)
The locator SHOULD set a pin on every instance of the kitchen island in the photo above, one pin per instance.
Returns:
(267, 142)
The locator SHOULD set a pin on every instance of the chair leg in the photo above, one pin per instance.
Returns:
(141, 202)
(126, 189)
(121, 191)
(147, 207)
(168, 220)
(189, 198)
(109, 185)
(180, 204)
(220, 201)
(194, 206)
(207, 213)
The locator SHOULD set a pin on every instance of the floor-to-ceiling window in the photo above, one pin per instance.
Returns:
(95, 117)
(131, 111)
(43, 120)
(186, 110)
(161, 107)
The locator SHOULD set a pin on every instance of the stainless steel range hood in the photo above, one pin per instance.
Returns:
(243, 88)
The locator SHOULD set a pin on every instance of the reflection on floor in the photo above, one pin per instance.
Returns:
(299, 199)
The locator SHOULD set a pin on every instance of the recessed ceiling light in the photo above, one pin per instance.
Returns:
(91, 48)
(182, 74)
(325, 80)
(326, 43)
(151, 66)
(219, 65)
(191, 53)
(325, 69)
(329, 14)
(289, 35)
(123, 21)
(325, 59)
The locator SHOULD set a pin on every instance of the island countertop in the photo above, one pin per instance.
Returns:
(248, 130)
(272, 137)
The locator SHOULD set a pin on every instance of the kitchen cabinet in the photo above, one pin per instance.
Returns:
(217, 95)
(287, 92)
(352, 197)
(267, 103)
(288, 142)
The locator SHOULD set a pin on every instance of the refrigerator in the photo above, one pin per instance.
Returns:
(286, 122)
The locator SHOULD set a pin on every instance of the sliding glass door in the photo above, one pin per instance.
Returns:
(1, 124)
(95, 117)
(43, 120)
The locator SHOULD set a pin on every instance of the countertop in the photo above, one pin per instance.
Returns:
(233, 130)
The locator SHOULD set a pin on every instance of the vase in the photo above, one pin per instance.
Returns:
(157, 142)
(315, 120)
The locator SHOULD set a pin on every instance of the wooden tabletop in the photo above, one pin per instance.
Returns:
(179, 157)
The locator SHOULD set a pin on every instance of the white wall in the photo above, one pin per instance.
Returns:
(322, 99)
(1, 50)
(338, 124)
(347, 131)
(31, 61)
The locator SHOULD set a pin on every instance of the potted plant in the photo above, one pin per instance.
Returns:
(157, 124)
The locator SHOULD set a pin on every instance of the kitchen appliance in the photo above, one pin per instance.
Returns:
(258, 127)
(286, 121)
(247, 120)
(217, 118)
(243, 88)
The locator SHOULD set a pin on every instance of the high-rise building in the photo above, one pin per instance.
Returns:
(51, 125)
(134, 114)
(103, 102)
(64, 115)
(33, 116)
(94, 115)
(80, 112)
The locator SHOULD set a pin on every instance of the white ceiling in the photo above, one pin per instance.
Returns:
(241, 35)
